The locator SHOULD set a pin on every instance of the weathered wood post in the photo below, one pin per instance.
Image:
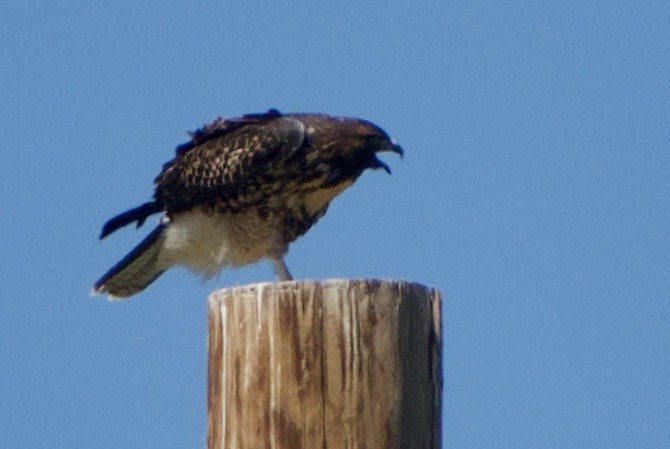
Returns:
(333, 364)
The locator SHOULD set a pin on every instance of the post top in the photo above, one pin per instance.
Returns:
(321, 283)
(328, 284)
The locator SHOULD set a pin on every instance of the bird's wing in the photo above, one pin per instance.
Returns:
(230, 161)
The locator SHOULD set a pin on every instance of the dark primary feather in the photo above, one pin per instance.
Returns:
(138, 214)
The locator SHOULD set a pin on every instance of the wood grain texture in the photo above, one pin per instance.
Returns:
(330, 364)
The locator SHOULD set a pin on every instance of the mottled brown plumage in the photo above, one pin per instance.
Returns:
(243, 189)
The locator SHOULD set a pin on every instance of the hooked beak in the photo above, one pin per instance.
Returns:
(394, 148)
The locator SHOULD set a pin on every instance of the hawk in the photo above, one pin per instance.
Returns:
(241, 190)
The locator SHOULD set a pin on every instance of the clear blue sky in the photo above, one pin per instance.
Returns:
(534, 193)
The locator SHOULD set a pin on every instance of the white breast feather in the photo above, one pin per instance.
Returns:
(206, 243)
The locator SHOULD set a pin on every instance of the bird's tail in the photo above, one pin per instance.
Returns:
(137, 270)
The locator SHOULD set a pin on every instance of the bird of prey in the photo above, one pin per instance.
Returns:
(242, 189)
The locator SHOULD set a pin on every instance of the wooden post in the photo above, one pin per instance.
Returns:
(333, 364)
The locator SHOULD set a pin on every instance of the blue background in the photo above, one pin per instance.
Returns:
(534, 194)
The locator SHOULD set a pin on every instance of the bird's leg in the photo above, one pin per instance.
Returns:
(281, 269)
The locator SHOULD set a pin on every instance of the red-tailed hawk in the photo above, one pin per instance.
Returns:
(241, 190)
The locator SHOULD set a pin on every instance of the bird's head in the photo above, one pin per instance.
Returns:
(348, 146)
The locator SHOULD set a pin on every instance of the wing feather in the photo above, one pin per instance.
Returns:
(229, 162)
